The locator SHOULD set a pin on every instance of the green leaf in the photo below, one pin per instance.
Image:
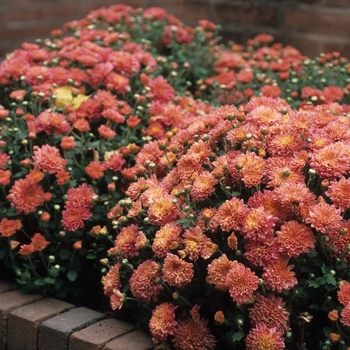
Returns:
(40, 282)
(72, 275)
(49, 280)
(237, 336)
(64, 253)
(91, 256)
(2, 254)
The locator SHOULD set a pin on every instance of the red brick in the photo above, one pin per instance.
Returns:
(62, 11)
(8, 302)
(12, 33)
(6, 286)
(97, 335)
(136, 340)
(242, 12)
(190, 11)
(26, 14)
(23, 322)
(308, 45)
(54, 333)
(314, 21)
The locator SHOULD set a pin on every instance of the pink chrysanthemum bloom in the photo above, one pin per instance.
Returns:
(26, 195)
(339, 241)
(344, 292)
(253, 168)
(114, 162)
(52, 122)
(48, 159)
(338, 191)
(345, 315)
(230, 215)
(324, 217)
(261, 252)
(163, 322)
(285, 144)
(264, 338)
(73, 217)
(277, 274)
(294, 193)
(80, 196)
(331, 161)
(117, 299)
(259, 224)
(203, 186)
(161, 90)
(271, 312)
(144, 284)
(106, 132)
(177, 272)
(128, 241)
(166, 239)
(242, 283)
(193, 334)
(39, 242)
(295, 239)
(218, 270)
(112, 280)
(94, 170)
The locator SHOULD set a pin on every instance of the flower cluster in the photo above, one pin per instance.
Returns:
(207, 182)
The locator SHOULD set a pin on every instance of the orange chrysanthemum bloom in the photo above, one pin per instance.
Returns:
(294, 193)
(271, 312)
(135, 210)
(9, 227)
(253, 168)
(68, 143)
(334, 337)
(217, 272)
(5, 177)
(331, 161)
(232, 241)
(177, 272)
(35, 175)
(230, 215)
(144, 281)
(219, 317)
(338, 191)
(203, 186)
(166, 239)
(285, 144)
(39, 242)
(333, 315)
(204, 217)
(114, 162)
(261, 252)
(112, 280)
(242, 283)
(117, 299)
(52, 123)
(73, 217)
(163, 211)
(295, 239)
(263, 337)
(344, 292)
(80, 196)
(189, 167)
(26, 249)
(162, 322)
(95, 170)
(161, 90)
(277, 274)
(324, 217)
(48, 159)
(193, 334)
(197, 244)
(345, 315)
(4, 159)
(264, 116)
(62, 177)
(128, 241)
(26, 195)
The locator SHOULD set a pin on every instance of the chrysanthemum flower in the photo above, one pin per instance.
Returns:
(271, 312)
(62, 177)
(106, 132)
(339, 191)
(324, 217)
(68, 143)
(80, 196)
(39, 242)
(344, 292)
(332, 161)
(218, 270)
(117, 299)
(95, 170)
(345, 315)
(144, 283)
(48, 159)
(203, 186)
(4, 159)
(112, 280)
(285, 144)
(177, 272)
(73, 217)
(295, 239)
(230, 215)
(242, 283)
(277, 274)
(114, 162)
(161, 90)
(52, 122)
(193, 334)
(261, 252)
(163, 211)
(127, 241)
(166, 239)
(26, 249)
(9, 227)
(263, 337)
(5, 177)
(26, 195)
(163, 322)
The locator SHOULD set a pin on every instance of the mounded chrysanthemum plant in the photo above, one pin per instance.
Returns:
(206, 184)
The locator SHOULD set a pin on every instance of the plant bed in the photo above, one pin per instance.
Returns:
(206, 184)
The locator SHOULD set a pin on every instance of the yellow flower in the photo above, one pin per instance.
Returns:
(64, 97)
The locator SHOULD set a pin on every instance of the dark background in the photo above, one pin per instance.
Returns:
(312, 26)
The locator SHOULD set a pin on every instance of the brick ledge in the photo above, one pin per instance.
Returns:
(34, 323)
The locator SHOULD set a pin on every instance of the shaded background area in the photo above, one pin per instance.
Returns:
(312, 26)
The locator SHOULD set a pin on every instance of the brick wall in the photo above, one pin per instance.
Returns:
(313, 26)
